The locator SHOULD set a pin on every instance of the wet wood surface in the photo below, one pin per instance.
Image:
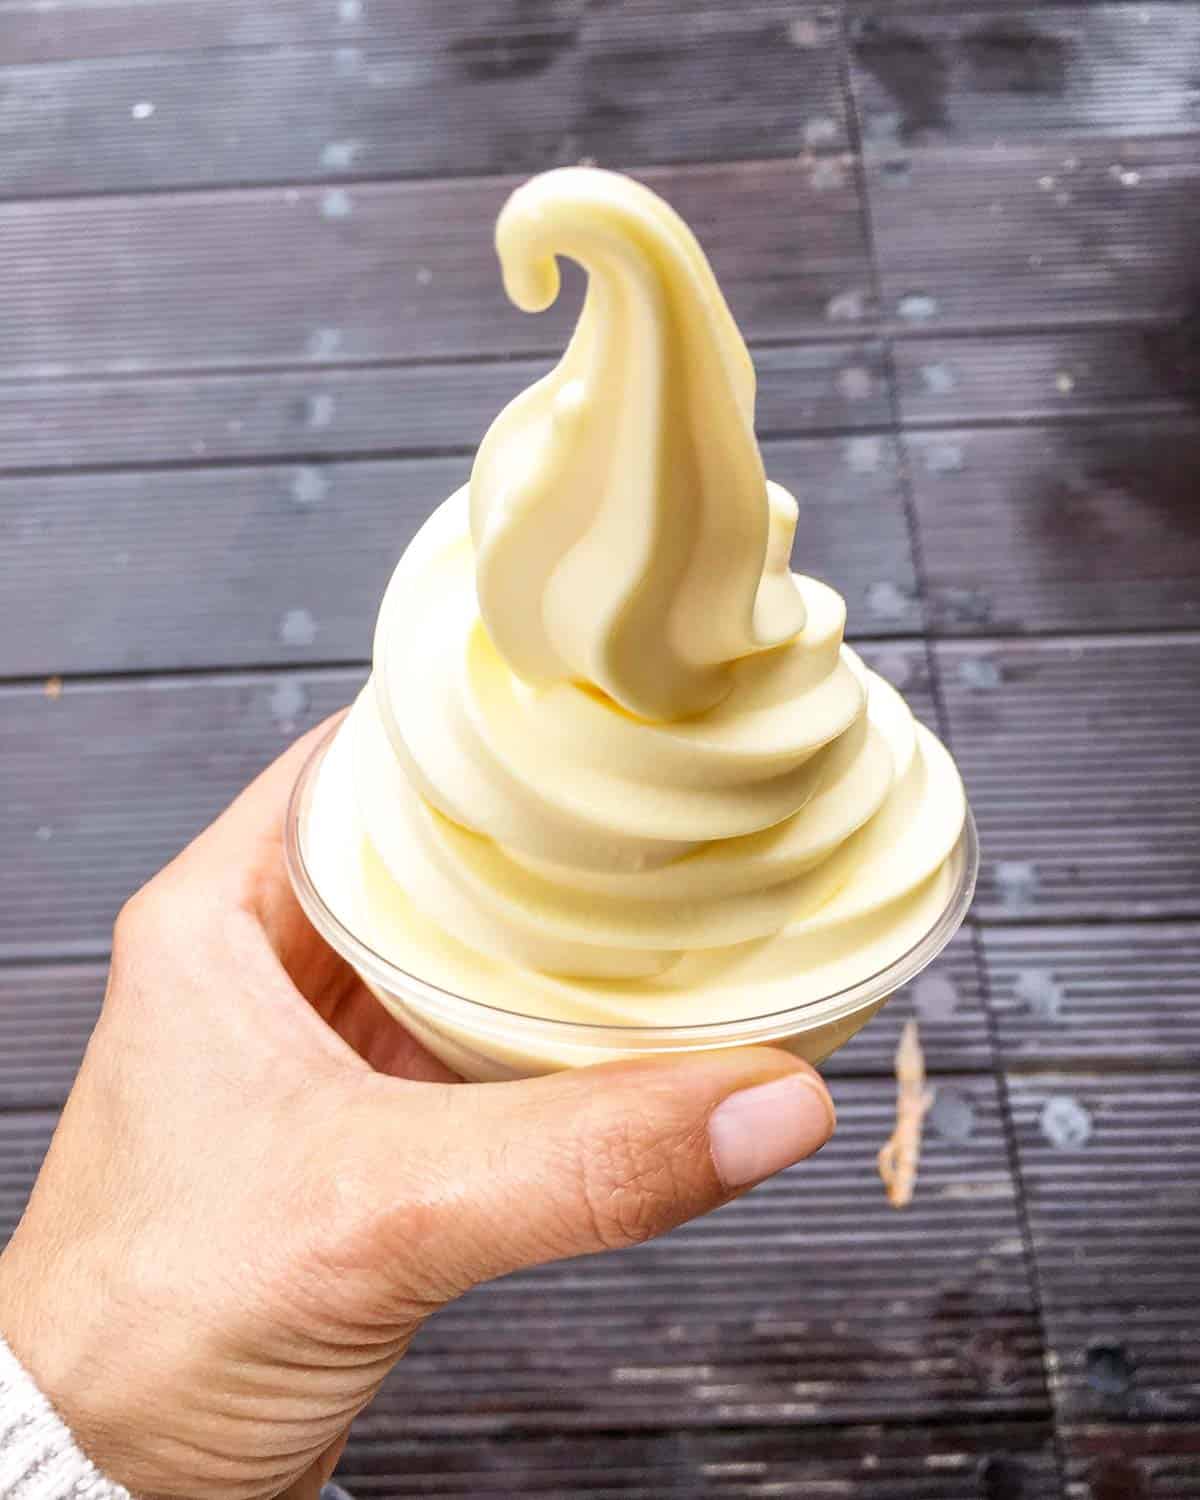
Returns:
(251, 329)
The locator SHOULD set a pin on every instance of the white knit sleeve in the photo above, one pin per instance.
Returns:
(38, 1456)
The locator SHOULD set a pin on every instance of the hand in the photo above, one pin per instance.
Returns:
(261, 1186)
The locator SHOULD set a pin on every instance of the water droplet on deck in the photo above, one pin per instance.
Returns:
(337, 156)
(424, 275)
(935, 997)
(917, 307)
(849, 306)
(1016, 884)
(319, 409)
(297, 628)
(336, 204)
(864, 454)
(1109, 1368)
(142, 110)
(944, 458)
(1046, 183)
(44, 834)
(887, 601)
(1040, 994)
(1064, 382)
(821, 133)
(1065, 1123)
(289, 703)
(979, 673)
(310, 486)
(952, 1115)
(804, 33)
(855, 383)
(324, 342)
(938, 379)
(826, 173)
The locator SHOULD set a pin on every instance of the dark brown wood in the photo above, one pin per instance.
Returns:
(288, 563)
(1150, 370)
(998, 1460)
(1128, 1462)
(969, 238)
(1042, 70)
(116, 778)
(380, 271)
(46, 1015)
(1068, 527)
(389, 409)
(1125, 995)
(1109, 1170)
(1080, 759)
(619, 84)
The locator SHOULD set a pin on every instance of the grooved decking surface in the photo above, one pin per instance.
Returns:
(251, 329)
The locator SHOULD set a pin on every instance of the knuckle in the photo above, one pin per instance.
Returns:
(634, 1183)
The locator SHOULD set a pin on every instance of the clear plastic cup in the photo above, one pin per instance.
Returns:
(485, 1043)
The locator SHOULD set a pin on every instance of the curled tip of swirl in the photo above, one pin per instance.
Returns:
(542, 219)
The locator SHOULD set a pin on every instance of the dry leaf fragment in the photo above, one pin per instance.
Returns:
(53, 688)
(899, 1158)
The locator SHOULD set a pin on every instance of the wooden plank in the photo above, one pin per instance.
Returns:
(380, 272)
(1116, 996)
(1068, 527)
(47, 1013)
(811, 1301)
(389, 409)
(1109, 1170)
(116, 778)
(46, 1016)
(1152, 370)
(1147, 1461)
(1007, 1461)
(1080, 758)
(1042, 70)
(450, 90)
(969, 237)
(35, 32)
(288, 563)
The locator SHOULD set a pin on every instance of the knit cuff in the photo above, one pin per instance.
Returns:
(38, 1456)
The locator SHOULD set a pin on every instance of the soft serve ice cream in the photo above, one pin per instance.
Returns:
(614, 763)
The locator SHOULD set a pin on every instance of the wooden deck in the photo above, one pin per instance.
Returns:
(251, 328)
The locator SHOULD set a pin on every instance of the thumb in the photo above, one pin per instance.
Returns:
(597, 1158)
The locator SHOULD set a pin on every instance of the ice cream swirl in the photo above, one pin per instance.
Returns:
(614, 760)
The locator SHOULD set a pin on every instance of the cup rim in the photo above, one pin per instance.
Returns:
(381, 973)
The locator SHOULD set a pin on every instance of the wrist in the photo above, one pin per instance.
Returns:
(48, 1337)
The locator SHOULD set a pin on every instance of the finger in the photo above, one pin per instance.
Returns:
(509, 1175)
